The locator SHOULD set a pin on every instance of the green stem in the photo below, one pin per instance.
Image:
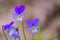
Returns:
(23, 30)
(33, 37)
(4, 34)
(39, 38)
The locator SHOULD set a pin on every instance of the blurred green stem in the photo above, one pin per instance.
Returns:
(23, 30)
(33, 37)
(4, 33)
(39, 38)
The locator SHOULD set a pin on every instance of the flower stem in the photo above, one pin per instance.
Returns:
(4, 34)
(33, 37)
(23, 30)
(39, 38)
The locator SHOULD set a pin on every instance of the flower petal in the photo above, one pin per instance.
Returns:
(17, 9)
(12, 28)
(19, 19)
(30, 28)
(5, 27)
(11, 33)
(37, 26)
(15, 16)
(8, 25)
(36, 21)
(21, 8)
(16, 34)
(34, 31)
(22, 14)
(11, 23)
(29, 22)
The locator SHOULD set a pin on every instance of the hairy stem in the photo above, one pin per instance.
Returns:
(4, 33)
(23, 30)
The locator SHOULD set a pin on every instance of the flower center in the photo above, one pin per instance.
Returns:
(33, 28)
(19, 16)
(11, 31)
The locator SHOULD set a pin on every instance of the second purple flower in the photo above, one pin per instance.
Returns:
(33, 25)
(19, 13)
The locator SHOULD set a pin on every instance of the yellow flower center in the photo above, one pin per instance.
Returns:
(33, 28)
(11, 31)
(19, 16)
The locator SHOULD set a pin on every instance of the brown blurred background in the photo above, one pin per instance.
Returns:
(48, 11)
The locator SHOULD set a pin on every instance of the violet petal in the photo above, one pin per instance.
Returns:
(16, 9)
(29, 22)
(21, 8)
(36, 21)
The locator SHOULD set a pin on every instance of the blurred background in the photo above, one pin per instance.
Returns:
(48, 12)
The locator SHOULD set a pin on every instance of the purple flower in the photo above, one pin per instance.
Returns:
(13, 33)
(16, 34)
(19, 13)
(33, 25)
(7, 26)
(11, 30)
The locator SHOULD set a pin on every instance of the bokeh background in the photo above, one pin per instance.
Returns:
(48, 12)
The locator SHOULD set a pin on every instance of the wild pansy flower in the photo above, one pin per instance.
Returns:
(11, 30)
(19, 13)
(33, 25)
(6, 27)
